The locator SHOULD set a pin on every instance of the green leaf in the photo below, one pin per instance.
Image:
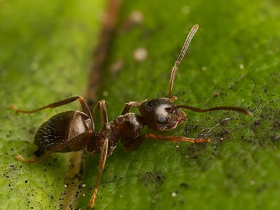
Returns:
(233, 60)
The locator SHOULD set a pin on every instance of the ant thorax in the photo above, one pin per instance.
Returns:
(124, 127)
(130, 125)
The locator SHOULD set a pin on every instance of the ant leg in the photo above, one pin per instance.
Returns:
(96, 146)
(176, 139)
(134, 144)
(173, 98)
(34, 160)
(60, 103)
(103, 157)
(103, 112)
(130, 104)
(57, 104)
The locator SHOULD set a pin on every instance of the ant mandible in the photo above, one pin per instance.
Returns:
(74, 130)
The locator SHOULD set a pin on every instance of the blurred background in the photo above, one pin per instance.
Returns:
(47, 54)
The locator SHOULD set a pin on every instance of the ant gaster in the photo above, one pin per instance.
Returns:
(74, 130)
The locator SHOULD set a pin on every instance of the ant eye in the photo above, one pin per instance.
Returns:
(161, 119)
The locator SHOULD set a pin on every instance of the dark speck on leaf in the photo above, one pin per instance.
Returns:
(185, 185)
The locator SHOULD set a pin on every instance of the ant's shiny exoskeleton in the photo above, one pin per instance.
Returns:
(74, 130)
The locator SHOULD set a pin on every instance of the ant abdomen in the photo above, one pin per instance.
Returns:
(62, 133)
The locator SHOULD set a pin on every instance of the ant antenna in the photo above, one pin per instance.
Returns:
(236, 109)
(180, 57)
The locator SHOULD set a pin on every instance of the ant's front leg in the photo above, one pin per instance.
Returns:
(176, 139)
(134, 144)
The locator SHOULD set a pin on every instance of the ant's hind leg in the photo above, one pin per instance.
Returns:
(35, 160)
(58, 104)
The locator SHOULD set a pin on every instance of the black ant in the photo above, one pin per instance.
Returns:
(74, 130)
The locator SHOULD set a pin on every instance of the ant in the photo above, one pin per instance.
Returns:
(74, 130)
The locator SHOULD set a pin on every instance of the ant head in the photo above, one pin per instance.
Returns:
(161, 114)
